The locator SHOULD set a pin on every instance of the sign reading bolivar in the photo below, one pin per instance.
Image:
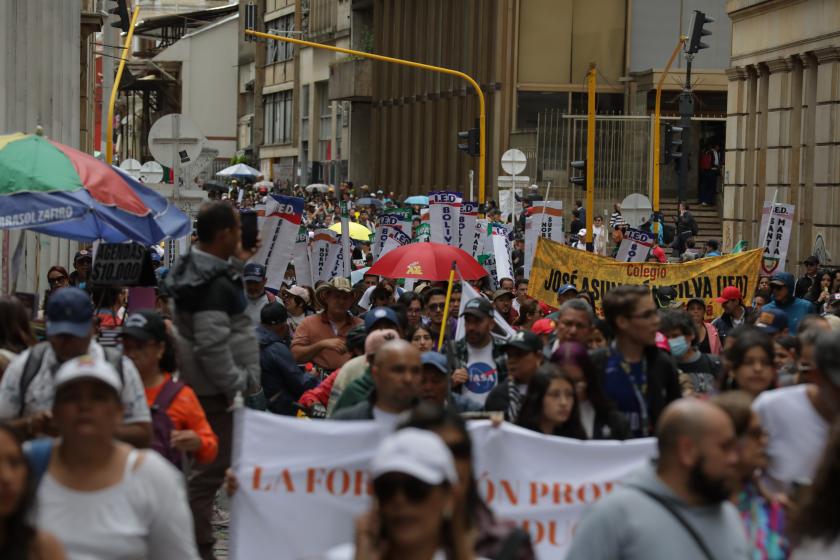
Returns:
(555, 265)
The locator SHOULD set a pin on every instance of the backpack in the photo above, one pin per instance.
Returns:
(36, 359)
(162, 424)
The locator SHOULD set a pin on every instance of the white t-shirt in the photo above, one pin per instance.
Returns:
(797, 434)
(41, 391)
(145, 515)
(386, 420)
(255, 306)
(483, 376)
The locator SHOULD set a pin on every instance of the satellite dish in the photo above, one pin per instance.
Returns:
(514, 162)
(131, 166)
(175, 140)
(636, 209)
(151, 172)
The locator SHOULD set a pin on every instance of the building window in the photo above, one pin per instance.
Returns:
(325, 124)
(279, 51)
(278, 117)
(304, 112)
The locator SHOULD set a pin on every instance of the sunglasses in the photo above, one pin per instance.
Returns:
(415, 490)
(56, 279)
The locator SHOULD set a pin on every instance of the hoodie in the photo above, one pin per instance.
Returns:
(796, 308)
(629, 525)
(217, 348)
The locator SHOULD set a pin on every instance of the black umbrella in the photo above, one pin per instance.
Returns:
(213, 185)
(368, 201)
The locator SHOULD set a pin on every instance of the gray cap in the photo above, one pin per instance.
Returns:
(827, 354)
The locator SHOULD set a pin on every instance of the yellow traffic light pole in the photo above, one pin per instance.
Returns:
(590, 153)
(656, 133)
(400, 61)
(109, 126)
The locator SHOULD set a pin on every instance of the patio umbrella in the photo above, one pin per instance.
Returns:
(368, 201)
(357, 231)
(419, 199)
(428, 261)
(54, 189)
(240, 171)
(319, 187)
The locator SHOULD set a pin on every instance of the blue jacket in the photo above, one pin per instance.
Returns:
(282, 380)
(796, 308)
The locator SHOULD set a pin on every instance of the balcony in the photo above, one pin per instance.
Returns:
(351, 79)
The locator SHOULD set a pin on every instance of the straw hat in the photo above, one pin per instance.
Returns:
(338, 283)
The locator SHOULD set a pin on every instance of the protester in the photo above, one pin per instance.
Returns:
(639, 378)
(734, 313)
(503, 304)
(434, 301)
(550, 404)
(782, 287)
(282, 379)
(763, 287)
(218, 353)
(820, 291)
(797, 418)
(616, 219)
(20, 539)
(524, 356)
(421, 338)
(184, 428)
(702, 371)
(804, 283)
(296, 299)
(27, 388)
(763, 514)
(99, 497)
(786, 354)
(575, 320)
(478, 360)
(521, 293)
(321, 338)
(678, 507)
(15, 330)
(712, 248)
(57, 278)
(601, 335)
(435, 387)
(749, 362)
(81, 265)
(529, 313)
(707, 335)
(544, 328)
(815, 527)
(413, 308)
(565, 293)
(806, 359)
(773, 322)
(254, 275)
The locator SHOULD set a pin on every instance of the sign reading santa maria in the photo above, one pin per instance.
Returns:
(776, 228)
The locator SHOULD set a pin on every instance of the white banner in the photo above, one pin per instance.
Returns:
(322, 243)
(466, 225)
(278, 233)
(444, 217)
(498, 237)
(387, 223)
(546, 221)
(478, 237)
(776, 229)
(635, 246)
(298, 505)
(396, 238)
(508, 202)
(300, 259)
(346, 249)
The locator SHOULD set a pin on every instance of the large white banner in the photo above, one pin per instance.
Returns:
(546, 220)
(322, 250)
(498, 239)
(302, 483)
(445, 217)
(396, 238)
(300, 259)
(279, 230)
(776, 229)
(466, 225)
(635, 246)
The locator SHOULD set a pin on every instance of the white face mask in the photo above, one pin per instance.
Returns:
(679, 346)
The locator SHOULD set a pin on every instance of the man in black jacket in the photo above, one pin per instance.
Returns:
(734, 313)
(639, 378)
(524, 356)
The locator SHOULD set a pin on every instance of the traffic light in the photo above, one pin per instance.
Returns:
(697, 32)
(468, 142)
(673, 142)
(121, 11)
(580, 166)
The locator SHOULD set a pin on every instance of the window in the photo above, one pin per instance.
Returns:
(278, 117)
(304, 112)
(325, 126)
(278, 51)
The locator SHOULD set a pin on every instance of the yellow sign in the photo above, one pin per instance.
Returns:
(556, 264)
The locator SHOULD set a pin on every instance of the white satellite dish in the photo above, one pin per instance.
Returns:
(131, 166)
(514, 162)
(636, 209)
(175, 140)
(151, 172)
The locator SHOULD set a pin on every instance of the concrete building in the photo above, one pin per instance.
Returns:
(783, 140)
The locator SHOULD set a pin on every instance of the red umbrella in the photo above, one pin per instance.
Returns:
(428, 261)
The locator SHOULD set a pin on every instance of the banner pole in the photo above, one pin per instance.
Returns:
(446, 307)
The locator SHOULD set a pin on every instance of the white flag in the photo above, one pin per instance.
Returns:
(279, 232)
(776, 229)
(468, 293)
(322, 243)
(396, 238)
(300, 259)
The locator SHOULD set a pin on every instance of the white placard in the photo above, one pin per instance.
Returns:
(635, 246)
(776, 229)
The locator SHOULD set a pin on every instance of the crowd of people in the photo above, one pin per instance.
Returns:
(117, 424)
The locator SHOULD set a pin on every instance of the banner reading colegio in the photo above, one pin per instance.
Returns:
(556, 264)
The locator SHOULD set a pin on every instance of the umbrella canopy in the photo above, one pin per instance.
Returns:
(357, 231)
(240, 170)
(419, 199)
(213, 185)
(319, 187)
(368, 201)
(428, 261)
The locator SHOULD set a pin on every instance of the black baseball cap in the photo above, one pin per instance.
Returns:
(525, 340)
(478, 307)
(145, 325)
(273, 314)
(812, 260)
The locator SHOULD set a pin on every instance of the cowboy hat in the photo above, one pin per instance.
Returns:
(338, 283)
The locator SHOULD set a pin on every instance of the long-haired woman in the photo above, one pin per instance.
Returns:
(550, 406)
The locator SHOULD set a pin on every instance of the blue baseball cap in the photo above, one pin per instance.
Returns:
(566, 288)
(772, 320)
(69, 311)
(381, 314)
(254, 272)
(436, 360)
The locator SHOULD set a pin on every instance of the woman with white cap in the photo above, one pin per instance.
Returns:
(100, 497)
(413, 475)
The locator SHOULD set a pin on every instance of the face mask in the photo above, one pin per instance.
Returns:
(678, 346)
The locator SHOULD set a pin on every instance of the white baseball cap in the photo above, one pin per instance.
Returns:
(88, 367)
(418, 453)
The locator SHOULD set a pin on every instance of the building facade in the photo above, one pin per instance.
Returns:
(783, 136)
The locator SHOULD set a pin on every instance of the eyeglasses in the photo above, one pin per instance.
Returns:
(649, 314)
(436, 306)
(56, 280)
(415, 490)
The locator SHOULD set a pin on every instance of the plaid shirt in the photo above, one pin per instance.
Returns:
(456, 355)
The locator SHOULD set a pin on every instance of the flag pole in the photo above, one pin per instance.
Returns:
(446, 307)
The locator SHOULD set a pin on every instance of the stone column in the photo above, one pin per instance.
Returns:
(779, 108)
(826, 195)
(733, 179)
